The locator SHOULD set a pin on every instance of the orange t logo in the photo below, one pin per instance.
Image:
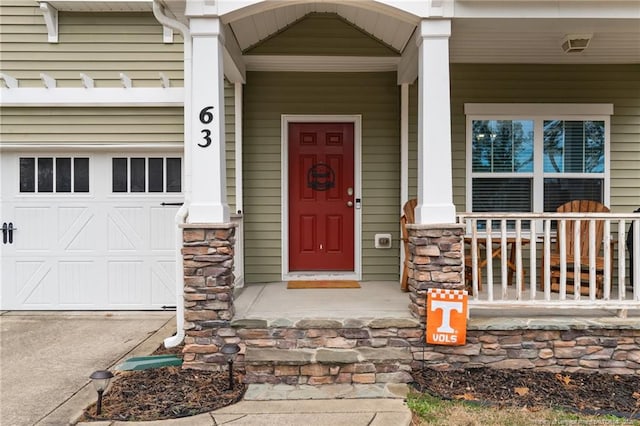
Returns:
(446, 317)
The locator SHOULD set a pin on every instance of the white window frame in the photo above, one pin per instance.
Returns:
(538, 113)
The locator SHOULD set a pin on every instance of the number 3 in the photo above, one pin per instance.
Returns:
(206, 137)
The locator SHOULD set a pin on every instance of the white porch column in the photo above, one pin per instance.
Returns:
(207, 144)
(435, 183)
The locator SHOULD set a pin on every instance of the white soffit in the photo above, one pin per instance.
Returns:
(255, 28)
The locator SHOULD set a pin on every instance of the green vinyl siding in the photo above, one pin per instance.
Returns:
(102, 45)
(267, 96)
(230, 140)
(91, 126)
(531, 83)
(322, 34)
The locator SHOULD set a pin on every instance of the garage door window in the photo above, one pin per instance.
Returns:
(54, 174)
(153, 174)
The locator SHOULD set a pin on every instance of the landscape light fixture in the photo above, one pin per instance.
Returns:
(100, 380)
(230, 350)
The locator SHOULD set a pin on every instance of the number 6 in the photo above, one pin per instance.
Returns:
(206, 116)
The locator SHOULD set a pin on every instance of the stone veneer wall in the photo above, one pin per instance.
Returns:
(435, 261)
(329, 351)
(558, 346)
(208, 293)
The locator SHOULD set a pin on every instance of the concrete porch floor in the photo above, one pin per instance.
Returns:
(274, 300)
(374, 299)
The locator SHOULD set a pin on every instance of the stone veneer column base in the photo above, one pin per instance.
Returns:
(435, 261)
(207, 253)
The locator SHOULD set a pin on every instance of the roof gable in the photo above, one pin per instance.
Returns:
(322, 34)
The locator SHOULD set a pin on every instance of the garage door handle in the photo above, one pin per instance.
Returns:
(7, 232)
(11, 229)
(171, 204)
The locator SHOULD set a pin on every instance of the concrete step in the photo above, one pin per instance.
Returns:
(315, 351)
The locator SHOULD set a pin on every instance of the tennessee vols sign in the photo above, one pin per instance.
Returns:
(446, 317)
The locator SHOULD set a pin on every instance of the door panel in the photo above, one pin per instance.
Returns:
(321, 213)
(85, 250)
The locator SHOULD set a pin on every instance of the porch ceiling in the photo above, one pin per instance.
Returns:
(473, 40)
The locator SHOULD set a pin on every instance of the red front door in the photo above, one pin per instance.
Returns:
(321, 197)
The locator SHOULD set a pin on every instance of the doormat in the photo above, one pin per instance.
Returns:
(322, 284)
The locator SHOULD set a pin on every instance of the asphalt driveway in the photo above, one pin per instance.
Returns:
(46, 358)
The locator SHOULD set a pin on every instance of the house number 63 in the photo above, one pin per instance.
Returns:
(206, 117)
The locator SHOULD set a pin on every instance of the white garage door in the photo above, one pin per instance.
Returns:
(88, 231)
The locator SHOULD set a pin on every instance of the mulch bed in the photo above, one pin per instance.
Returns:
(164, 393)
(172, 392)
(587, 393)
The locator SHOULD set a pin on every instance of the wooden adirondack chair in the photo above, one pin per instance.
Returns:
(582, 206)
(409, 209)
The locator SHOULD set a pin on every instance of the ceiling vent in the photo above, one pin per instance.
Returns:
(576, 43)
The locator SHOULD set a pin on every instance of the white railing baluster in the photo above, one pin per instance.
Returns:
(547, 259)
(562, 238)
(606, 295)
(622, 268)
(503, 258)
(636, 260)
(577, 261)
(518, 259)
(592, 259)
(488, 252)
(533, 255)
(474, 259)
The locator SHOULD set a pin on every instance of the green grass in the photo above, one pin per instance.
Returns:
(430, 410)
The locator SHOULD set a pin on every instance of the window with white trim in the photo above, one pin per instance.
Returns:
(535, 157)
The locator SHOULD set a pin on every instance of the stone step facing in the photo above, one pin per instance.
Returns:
(328, 351)
(269, 392)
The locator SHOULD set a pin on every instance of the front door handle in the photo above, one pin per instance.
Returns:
(11, 229)
(349, 203)
(4, 233)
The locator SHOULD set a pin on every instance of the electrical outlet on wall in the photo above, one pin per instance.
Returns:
(383, 241)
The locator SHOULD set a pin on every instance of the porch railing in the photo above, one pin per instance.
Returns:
(508, 260)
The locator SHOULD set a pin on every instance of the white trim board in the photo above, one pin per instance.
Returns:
(321, 63)
(129, 147)
(104, 97)
(284, 176)
(541, 109)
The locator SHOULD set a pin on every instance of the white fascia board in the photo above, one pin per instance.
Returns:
(102, 5)
(408, 66)
(321, 63)
(97, 146)
(540, 109)
(422, 9)
(234, 66)
(73, 97)
(565, 9)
